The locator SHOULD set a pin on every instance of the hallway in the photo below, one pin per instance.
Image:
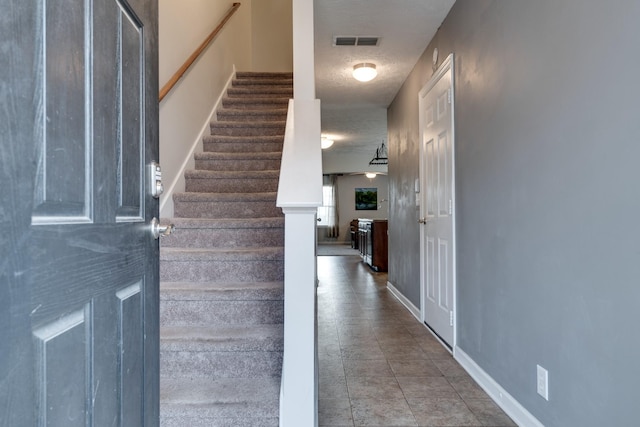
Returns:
(379, 366)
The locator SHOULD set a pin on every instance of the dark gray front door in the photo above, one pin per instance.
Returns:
(78, 264)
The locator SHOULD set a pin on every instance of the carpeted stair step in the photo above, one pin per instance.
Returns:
(229, 233)
(259, 86)
(250, 161)
(242, 144)
(228, 338)
(234, 265)
(222, 269)
(255, 103)
(221, 303)
(261, 82)
(240, 351)
(231, 128)
(231, 181)
(261, 91)
(237, 114)
(226, 205)
(222, 291)
(264, 75)
(232, 402)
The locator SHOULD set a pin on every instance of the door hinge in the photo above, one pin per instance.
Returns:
(451, 318)
(449, 95)
(450, 206)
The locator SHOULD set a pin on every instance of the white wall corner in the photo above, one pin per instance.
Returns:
(504, 400)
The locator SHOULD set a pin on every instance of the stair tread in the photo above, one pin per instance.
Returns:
(227, 338)
(231, 174)
(202, 391)
(260, 92)
(262, 82)
(245, 112)
(234, 401)
(227, 223)
(277, 100)
(259, 104)
(222, 254)
(251, 124)
(244, 138)
(251, 85)
(251, 155)
(207, 287)
(225, 197)
(265, 74)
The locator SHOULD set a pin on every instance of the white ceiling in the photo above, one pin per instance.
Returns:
(354, 113)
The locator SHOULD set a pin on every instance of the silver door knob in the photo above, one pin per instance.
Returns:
(158, 230)
(423, 220)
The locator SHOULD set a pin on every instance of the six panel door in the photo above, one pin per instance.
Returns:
(83, 298)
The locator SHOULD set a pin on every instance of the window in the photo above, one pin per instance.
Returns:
(326, 212)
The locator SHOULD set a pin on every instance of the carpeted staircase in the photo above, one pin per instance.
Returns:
(221, 300)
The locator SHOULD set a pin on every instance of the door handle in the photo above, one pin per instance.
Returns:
(158, 230)
(423, 220)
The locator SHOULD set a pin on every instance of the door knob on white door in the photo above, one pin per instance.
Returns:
(423, 220)
(158, 230)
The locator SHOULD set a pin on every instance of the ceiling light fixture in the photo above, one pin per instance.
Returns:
(364, 72)
(325, 142)
(370, 175)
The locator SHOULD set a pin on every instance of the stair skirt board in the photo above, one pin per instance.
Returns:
(222, 269)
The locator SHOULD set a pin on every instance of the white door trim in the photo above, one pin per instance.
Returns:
(447, 66)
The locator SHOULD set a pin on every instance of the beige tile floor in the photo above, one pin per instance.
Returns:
(379, 366)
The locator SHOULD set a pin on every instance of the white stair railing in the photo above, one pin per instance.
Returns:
(299, 195)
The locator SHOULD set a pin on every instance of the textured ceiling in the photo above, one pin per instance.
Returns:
(355, 112)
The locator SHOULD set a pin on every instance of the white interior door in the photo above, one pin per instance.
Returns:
(437, 238)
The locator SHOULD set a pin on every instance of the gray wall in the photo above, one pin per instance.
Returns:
(548, 199)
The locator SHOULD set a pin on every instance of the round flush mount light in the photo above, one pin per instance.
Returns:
(370, 175)
(364, 72)
(325, 142)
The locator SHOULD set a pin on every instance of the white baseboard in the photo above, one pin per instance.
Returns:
(415, 311)
(504, 400)
(205, 130)
(408, 304)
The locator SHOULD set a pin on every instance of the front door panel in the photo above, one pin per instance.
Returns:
(82, 332)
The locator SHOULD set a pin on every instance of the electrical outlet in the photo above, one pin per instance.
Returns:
(543, 382)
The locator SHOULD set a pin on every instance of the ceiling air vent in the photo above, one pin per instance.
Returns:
(355, 41)
(367, 41)
(345, 41)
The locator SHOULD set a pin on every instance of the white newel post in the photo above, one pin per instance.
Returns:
(299, 195)
(299, 377)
